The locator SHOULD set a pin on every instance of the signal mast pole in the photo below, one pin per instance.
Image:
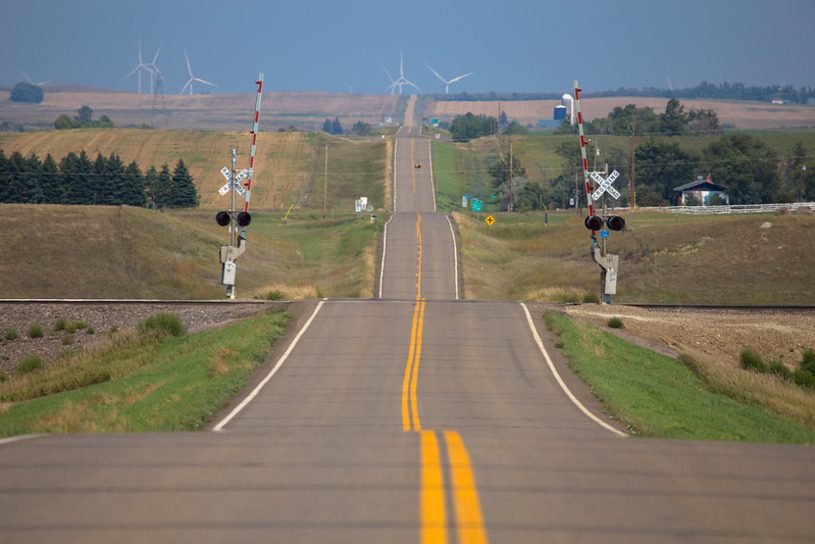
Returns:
(228, 255)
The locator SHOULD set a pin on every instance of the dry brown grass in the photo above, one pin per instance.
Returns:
(219, 362)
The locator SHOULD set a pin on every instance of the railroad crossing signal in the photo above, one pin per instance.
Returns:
(604, 185)
(489, 220)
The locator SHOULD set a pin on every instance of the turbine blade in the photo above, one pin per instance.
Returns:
(401, 64)
(31, 81)
(205, 82)
(155, 57)
(459, 78)
(408, 82)
(187, 84)
(390, 77)
(438, 75)
(187, 58)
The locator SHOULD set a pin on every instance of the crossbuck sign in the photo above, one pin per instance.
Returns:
(604, 185)
(239, 177)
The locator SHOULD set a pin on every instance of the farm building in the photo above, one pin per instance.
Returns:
(702, 190)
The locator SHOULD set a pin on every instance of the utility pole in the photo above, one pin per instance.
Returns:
(633, 169)
(325, 184)
(578, 203)
(509, 208)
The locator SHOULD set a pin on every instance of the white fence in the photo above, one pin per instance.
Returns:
(744, 208)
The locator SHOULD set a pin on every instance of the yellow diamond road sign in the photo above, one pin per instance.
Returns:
(489, 220)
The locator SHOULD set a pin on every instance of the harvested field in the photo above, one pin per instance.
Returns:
(742, 115)
(205, 111)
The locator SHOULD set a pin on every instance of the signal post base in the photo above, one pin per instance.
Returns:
(610, 265)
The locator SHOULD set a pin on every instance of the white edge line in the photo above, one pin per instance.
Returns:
(395, 147)
(560, 380)
(384, 252)
(272, 372)
(12, 439)
(455, 253)
(432, 183)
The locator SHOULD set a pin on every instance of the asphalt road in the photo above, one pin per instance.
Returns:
(416, 418)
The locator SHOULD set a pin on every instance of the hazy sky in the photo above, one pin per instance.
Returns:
(511, 45)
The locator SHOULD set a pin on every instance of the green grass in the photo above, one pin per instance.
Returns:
(142, 384)
(659, 396)
(461, 168)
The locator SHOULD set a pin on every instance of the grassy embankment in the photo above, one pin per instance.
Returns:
(658, 396)
(663, 258)
(73, 251)
(140, 381)
(121, 252)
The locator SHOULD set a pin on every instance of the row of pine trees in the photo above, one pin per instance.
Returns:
(76, 179)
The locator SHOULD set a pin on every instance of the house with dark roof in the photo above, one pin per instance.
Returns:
(702, 190)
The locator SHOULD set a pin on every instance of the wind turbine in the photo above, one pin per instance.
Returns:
(446, 82)
(192, 79)
(154, 71)
(402, 80)
(141, 66)
(31, 81)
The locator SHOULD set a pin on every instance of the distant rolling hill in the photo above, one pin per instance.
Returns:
(289, 165)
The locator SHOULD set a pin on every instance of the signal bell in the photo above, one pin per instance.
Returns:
(222, 218)
(594, 222)
(244, 218)
(615, 222)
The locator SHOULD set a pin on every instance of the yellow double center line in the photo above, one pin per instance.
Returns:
(469, 522)
(410, 405)
(466, 514)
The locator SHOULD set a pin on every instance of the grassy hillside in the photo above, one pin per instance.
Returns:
(663, 258)
(98, 252)
(289, 166)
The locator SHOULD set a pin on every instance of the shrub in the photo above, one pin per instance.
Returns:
(90, 330)
(29, 365)
(163, 325)
(35, 331)
(70, 327)
(274, 294)
(804, 378)
(808, 361)
(68, 339)
(3, 376)
(591, 298)
(750, 360)
(81, 325)
(12, 334)
(60, 323)
(616, 323)
(780, 369)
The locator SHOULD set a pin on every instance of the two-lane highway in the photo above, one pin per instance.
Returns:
(414, 418)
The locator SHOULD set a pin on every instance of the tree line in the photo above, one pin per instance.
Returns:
(76, 179)
(750, 171)
(674, 121)
(723, 91)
